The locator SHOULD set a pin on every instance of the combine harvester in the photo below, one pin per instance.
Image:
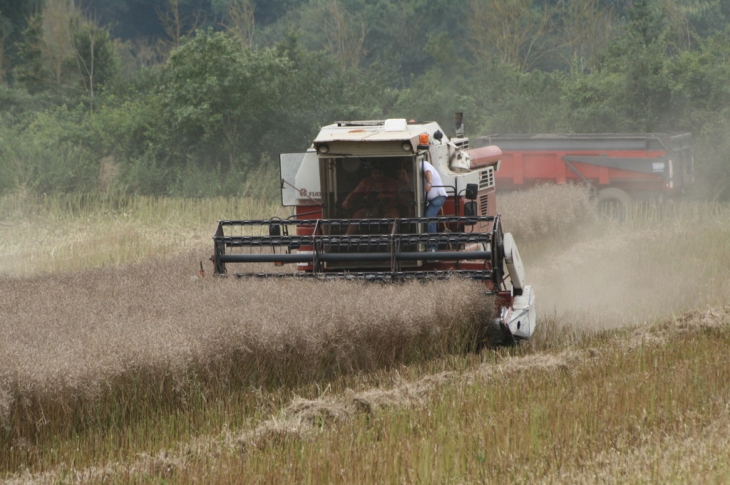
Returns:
(340, 230)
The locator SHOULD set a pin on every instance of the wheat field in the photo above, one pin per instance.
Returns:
(130, 368)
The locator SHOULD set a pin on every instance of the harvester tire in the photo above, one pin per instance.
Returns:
(614, 203)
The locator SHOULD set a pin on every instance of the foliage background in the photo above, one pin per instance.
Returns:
(198, 97)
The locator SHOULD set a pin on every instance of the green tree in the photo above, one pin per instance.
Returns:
(49, 154)
(47, 49)
(216, 97)
(94, 53)
(320, 92)
(585, 29)
(239, 18)
(14, 15)
(32, 72)
(400, 33)
(515, 32)
(6, 29)
(688, 20)
(177, 22)
(631, 87)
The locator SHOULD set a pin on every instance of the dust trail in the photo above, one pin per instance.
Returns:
(606, 282)
(598, 274)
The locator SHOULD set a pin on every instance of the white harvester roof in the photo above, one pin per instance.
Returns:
(355, 133)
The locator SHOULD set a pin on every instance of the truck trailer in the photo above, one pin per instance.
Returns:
(620, 169)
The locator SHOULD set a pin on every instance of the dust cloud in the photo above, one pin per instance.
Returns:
(595, 283)
(610, 276)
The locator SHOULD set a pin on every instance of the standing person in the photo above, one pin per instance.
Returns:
(435, 196)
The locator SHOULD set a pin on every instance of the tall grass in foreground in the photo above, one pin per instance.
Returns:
(68, 232)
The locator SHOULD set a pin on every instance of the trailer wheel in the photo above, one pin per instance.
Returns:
(614, 203)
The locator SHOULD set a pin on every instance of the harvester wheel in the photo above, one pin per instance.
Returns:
(614, 203)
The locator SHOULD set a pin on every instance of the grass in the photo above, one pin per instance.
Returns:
(648, 407)
(81, 231)
(580, 415)
(143, 373)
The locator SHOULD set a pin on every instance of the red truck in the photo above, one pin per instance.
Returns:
(619, 168)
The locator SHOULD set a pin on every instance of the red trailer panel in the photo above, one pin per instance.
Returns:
(643, 166)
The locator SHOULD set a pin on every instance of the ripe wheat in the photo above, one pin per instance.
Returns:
(71, 338)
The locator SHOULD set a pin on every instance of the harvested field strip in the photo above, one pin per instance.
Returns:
(644, 405)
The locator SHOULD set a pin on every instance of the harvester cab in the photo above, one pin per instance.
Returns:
(359, 212)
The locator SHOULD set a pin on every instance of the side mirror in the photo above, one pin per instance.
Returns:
(471, 191)
(470, 209)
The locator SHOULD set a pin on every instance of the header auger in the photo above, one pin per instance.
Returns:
(360, 197)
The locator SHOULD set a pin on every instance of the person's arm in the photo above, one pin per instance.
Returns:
(427, 175)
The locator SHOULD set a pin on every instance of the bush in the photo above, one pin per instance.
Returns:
(46, 157)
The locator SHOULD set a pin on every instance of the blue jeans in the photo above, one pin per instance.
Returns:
(433, 207)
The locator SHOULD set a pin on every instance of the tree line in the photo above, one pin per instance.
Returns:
(197, 98)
